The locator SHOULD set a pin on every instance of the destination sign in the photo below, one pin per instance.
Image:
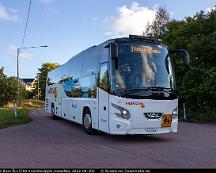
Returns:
(144, 50)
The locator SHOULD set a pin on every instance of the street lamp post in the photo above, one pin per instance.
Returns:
(38, 87)
(18, 52)
(17, 99)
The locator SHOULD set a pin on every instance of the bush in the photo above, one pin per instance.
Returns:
(8, 89)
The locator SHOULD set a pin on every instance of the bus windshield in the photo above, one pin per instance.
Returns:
(143, 70)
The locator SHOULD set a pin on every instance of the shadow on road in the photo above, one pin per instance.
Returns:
(135, 138)
(118, 138)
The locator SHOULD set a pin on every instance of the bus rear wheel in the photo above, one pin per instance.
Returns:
(87, 123)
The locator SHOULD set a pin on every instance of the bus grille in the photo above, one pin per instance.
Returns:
(153, 115)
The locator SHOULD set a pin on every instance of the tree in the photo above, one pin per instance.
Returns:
(11, 90)
(197, 86)
(8, 89)
(3, 100)
(2, 75)
(158, 28)
(43, 71)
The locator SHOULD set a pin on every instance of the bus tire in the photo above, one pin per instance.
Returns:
(54, 117)
(87, 122)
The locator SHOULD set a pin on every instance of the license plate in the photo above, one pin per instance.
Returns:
(151, 130)
(166, 120)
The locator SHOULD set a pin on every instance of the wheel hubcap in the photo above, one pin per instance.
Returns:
(87, 121)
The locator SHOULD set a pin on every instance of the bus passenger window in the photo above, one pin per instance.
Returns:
(104, 78)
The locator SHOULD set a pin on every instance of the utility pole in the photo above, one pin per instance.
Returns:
(17, 99)
(18, 80)
(185, 116)
(38, 87)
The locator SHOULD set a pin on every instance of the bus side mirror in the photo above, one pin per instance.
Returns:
(183, 53)
(114, 54)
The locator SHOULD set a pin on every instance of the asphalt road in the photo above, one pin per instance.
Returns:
(47, 143)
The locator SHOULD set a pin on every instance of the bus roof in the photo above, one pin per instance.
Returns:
(134, 38)
(131, 38)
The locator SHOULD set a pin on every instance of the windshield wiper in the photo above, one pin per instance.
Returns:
(120, 92)
(132, 90)
(160, 93)
(160, 89)
(127, 92)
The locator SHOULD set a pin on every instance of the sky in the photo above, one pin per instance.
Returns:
(69, 26)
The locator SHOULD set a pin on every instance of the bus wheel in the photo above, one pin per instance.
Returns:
(54, 117)
(87, 123)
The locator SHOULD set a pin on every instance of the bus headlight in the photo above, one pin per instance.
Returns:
(175, 113)
(124, 113)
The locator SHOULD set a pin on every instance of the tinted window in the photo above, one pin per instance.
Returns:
(104, 78)
(90, 62)
(52, 77)
(140, 66)
(88, 86)
(82, 87)
(104, 54)
(74, 66)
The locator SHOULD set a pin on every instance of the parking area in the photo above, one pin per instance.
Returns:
(47, 143)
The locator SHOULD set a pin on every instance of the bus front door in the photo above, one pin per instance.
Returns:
(103, 99)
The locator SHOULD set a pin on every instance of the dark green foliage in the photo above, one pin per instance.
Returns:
(2, 75)
(29, 94)
(8, 89)
(197, 86)
(158, 28)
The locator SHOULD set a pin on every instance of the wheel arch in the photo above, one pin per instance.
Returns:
(85, 109)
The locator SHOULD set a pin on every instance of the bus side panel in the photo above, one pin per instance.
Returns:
(103, 110)
(76, 107)
(72, 109)
(64, 105)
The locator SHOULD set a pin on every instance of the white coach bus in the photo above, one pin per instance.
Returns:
(122, 86)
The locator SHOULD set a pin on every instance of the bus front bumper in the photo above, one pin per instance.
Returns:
(122, 127)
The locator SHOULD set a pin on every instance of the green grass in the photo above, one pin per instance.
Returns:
(31, 104)
(8, 119)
